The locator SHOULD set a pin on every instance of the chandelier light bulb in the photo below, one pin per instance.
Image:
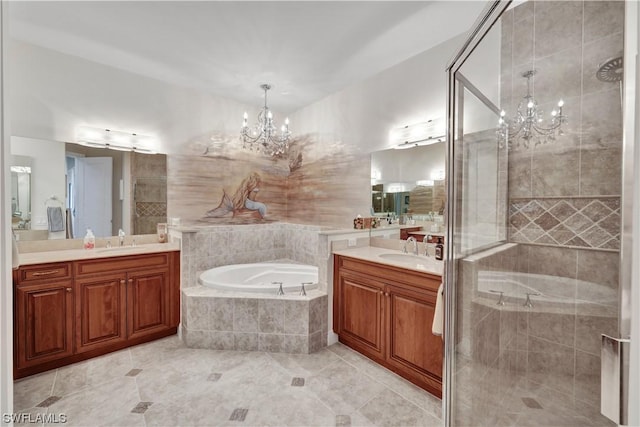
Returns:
(560, 103)
(554, 113)
(530, 104)
(503, 113)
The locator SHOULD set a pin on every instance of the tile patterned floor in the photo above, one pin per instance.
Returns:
(164, 383)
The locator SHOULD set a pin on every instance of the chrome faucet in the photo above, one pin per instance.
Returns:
(426, 241)
(121, 237)
(415, 245)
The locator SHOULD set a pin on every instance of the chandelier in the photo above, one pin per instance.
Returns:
(528, 123)
(264, 136)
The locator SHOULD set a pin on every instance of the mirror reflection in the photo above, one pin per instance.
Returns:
(409, 182)
(72, 187)
(21, 192)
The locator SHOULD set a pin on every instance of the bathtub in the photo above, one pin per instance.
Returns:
(551, 289)
(258, 277)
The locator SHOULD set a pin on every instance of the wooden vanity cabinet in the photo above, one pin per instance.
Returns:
(385, 313)
(43, 310)
(101, 305)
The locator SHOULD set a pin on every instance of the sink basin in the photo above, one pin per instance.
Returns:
(405, 258)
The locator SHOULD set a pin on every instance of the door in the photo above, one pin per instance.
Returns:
(93, 196)
(411, 346)
(148, 302)
(44, 322)
(361, 316)
(534, 216)
(100, 311)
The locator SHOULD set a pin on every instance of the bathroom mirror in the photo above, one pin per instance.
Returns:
(21, 192)
(408, 181)
(130, 193)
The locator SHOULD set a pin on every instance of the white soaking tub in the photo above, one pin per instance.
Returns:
(259, 277)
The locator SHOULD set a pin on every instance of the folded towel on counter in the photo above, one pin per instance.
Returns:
(55, 218)
(438, 314)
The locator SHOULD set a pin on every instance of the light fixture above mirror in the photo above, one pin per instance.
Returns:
(418, 134)
(114, 139)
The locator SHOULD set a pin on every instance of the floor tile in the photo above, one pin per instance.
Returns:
(343, 388)
(29, 391)
(390, 409)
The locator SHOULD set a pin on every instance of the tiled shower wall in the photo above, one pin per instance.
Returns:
(149, 181)
(557, 190)
(564, 207)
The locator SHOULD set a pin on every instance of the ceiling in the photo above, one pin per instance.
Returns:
(305, 49)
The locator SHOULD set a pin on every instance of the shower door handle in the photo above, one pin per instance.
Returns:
(614, 379)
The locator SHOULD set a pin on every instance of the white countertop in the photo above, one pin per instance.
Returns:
(31, 258)
(372, 253)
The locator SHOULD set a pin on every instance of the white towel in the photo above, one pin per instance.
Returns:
(15, 257)
(438, 314)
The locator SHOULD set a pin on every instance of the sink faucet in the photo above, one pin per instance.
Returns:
(121, 237)
(415, 245)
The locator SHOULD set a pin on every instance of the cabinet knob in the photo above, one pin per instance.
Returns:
(69, 290)
(130, 281)
(122, 281)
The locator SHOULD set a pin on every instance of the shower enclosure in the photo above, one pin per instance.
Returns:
(536, 166)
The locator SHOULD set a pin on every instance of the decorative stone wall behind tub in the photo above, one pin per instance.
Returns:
(251, 322)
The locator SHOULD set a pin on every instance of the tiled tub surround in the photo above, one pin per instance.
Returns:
(542, 357)
(222, 320)
(233, 320)
(205, 247)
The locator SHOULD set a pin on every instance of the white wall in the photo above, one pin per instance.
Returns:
(52, 93)
(362, 115)
(47, 174)
(6, 291)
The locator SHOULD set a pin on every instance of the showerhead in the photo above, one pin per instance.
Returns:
(611, 70)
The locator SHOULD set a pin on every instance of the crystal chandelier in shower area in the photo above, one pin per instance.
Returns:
(264, 136)
(528, 122)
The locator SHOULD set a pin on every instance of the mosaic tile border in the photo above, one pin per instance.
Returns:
(151, 209)
(583, 222)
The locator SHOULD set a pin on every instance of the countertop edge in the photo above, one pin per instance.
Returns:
(46, 257)
(356, 253)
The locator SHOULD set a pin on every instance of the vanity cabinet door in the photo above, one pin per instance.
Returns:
(43, 322)
(148, 297)
(361, 314)
(100, 311)
(411, 345)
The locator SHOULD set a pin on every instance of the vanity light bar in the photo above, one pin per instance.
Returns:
(416, 135)
(113, 139)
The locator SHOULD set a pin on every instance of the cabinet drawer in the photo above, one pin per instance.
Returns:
(61, 270)
(123, 263)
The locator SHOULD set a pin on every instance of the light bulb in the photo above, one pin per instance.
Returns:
(530, 104)
(286, 121)
(269, 115)
(246, 116)
(283, 129)
(501, 121)
(560, 103)
(503, 113)
(554, 113)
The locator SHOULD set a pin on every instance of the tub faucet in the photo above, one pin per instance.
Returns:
(280, 290)
(528, 303)
(415, 245)
(303, 291)
(121, 237)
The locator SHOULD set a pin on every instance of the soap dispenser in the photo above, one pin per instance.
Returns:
(439, 249)
(89, 240)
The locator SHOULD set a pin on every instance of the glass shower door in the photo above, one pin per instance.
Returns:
(534, 160)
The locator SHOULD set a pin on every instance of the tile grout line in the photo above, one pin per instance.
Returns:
(387, 387)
